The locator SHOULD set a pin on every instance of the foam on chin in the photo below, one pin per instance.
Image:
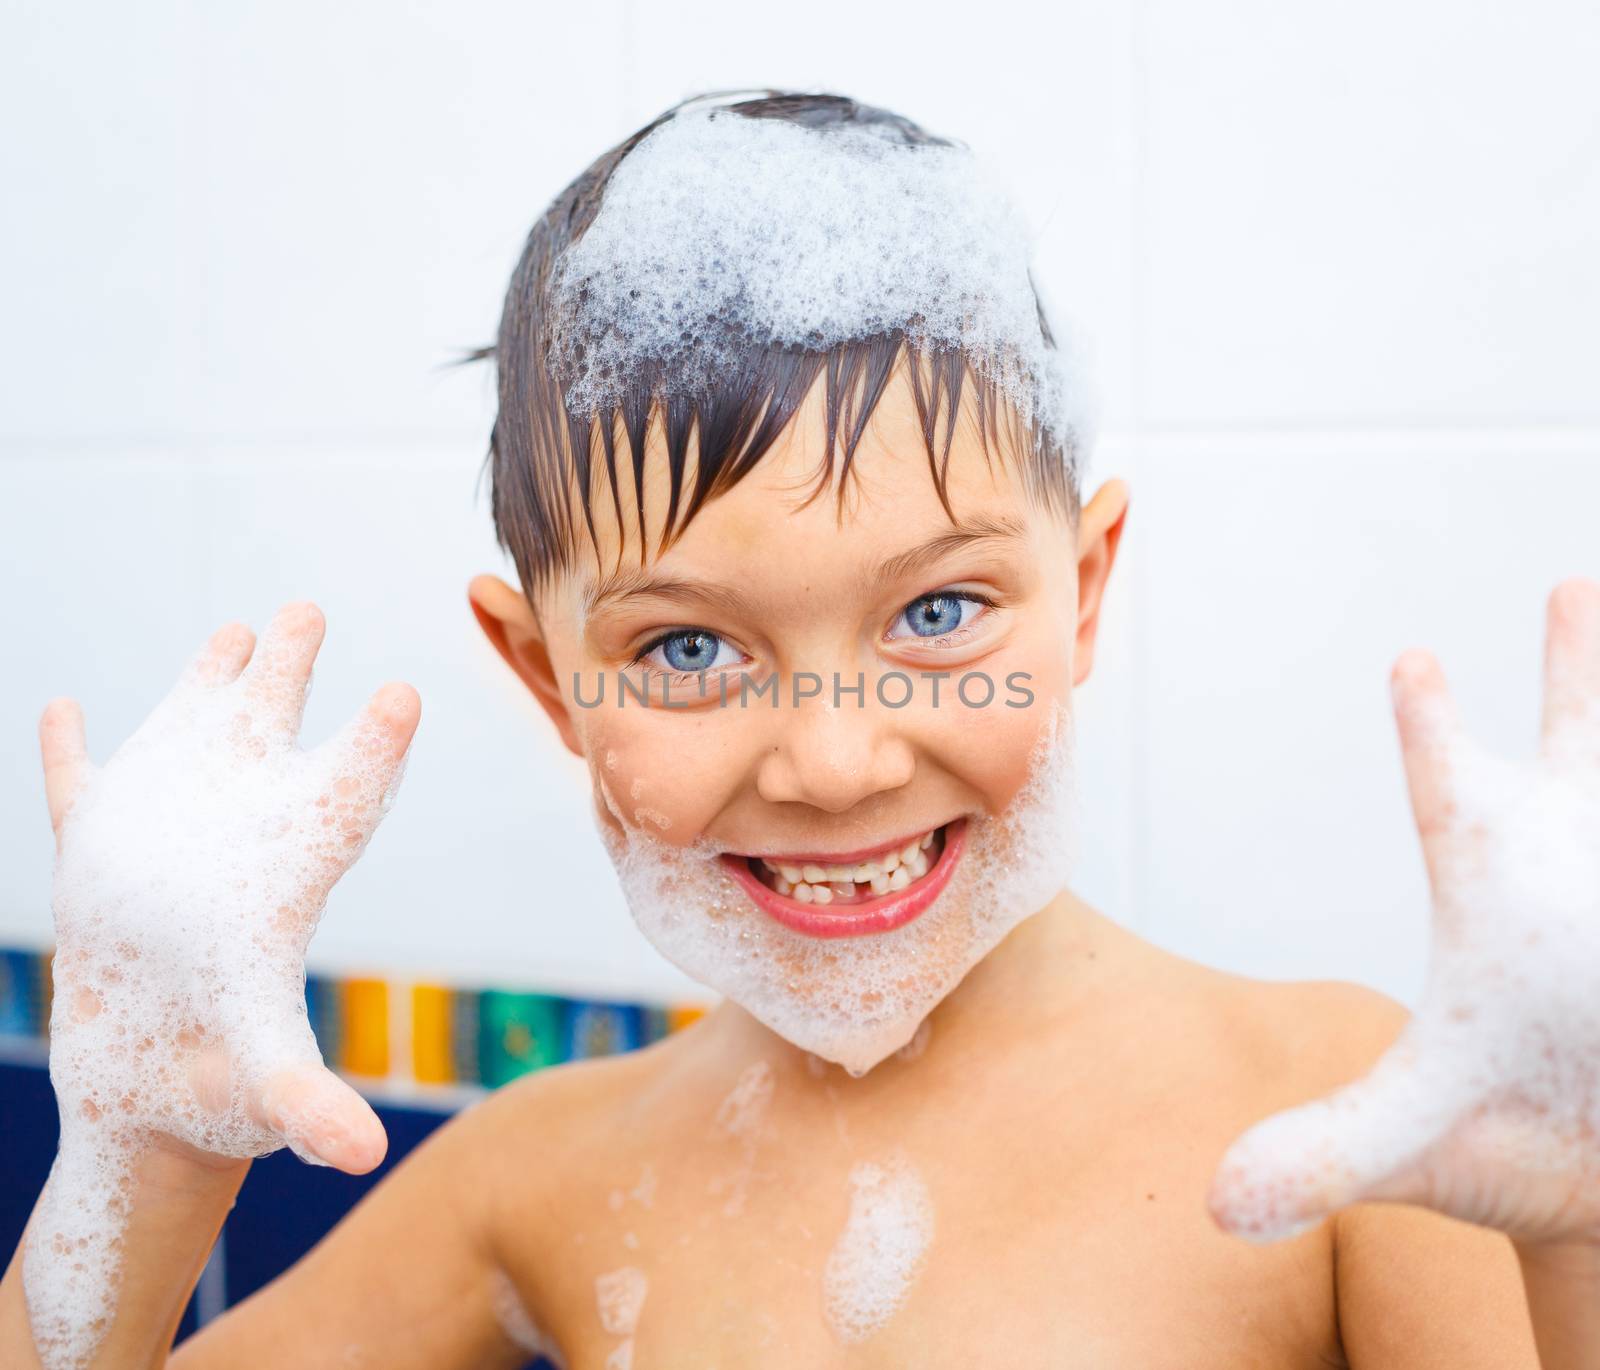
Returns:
(857, 1000)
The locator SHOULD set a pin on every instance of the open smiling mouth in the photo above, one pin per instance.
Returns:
(852, 893)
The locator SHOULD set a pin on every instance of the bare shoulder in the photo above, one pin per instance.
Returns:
(573, 1117)
(1308, 1034)
(1413, 1287)
(554, 1154)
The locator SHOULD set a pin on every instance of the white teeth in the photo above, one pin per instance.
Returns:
(816, 884)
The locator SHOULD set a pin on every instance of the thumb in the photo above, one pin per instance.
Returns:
(1361, 1142)
(324, 1120)
(65, 755)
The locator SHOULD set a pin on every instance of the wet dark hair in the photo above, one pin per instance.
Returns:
(539, 453)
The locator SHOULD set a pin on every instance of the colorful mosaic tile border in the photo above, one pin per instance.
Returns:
(419, 1034)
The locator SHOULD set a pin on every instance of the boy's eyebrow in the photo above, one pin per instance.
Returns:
(984, 528)
(634, 583)
(622, 586)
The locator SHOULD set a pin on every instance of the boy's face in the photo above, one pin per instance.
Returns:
(712, 808)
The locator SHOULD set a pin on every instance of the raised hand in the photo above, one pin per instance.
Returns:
(190, 874)
(1487, 1107)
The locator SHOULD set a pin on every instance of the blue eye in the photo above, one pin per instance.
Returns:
(688, 651)
(942, 613)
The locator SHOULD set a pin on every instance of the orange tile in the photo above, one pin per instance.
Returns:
(366, 1027)
(432, 1033)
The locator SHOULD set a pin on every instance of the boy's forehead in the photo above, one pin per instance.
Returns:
(775, 514)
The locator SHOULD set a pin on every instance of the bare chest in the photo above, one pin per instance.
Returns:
(858, 1247)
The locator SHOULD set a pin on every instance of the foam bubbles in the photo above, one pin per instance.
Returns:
(191, 872)
(882, 1247)
(517, 1323)
(619, 1296)
(743, 1111)
(741, 1118)
(918, 1045)
(1488, 1103)
(854, 1000)
(718, 230)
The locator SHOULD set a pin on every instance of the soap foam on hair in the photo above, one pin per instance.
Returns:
(184, 897)
(719, 231)
(882, 1247)
(855, 1000)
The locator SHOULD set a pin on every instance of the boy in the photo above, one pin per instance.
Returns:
(948, 1114)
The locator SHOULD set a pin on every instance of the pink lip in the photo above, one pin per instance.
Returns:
(882, 914)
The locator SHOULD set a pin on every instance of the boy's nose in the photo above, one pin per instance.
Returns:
(833, 758)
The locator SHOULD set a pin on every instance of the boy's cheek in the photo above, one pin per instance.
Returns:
(649, 776)
(990, 749)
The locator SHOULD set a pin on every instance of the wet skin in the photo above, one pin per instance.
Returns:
(1071, 1098)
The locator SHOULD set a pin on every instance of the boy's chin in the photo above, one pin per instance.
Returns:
(855, 1000)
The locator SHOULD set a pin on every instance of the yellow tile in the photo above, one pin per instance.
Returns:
(432, 1024)
(366, 1027)
(683, 1015)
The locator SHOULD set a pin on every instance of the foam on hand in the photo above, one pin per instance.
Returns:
(191, 872)
(1488, 1104)
(882, 1247)
(856, 1000)
(719, 230)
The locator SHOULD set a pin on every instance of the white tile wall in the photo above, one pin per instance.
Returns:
(1371, 213)
(1283, 575)
(1336, 267)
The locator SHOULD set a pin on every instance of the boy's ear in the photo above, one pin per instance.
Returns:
(1100, 525)
(508, 621)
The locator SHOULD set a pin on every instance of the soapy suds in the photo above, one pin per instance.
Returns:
(885, 1239)
(854, 1000)
(741, 1118)
(644, 1192)
(192, 870)
(918, 1044)
(718, 230)
(517, 1323)
(742, 1112)
(1487, 1104)
(619, 1296)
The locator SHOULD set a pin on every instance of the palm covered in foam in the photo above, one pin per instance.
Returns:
(190, 873)
(1487, 1106)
